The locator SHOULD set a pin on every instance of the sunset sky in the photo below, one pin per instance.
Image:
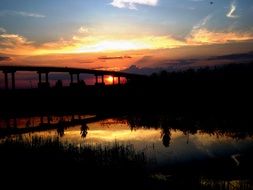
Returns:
(115, 34)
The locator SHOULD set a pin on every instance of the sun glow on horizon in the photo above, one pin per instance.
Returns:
(110, 79)
(101, 44)
(113, 45)
(126, 27)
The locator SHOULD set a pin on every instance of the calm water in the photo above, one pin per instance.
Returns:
(163, 144)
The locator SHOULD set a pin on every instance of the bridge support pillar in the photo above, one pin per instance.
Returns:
(96, 79)
(78, 77)
(118, 80)
(72, 78)
(43, 83)
(6, 79)
(102, 79)
(13, 80)
(40, 78)
(47, 81)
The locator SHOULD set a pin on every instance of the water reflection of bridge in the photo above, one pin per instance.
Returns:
(47, 126)
(43, 74)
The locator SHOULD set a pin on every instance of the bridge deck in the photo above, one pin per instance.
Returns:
(46, 69)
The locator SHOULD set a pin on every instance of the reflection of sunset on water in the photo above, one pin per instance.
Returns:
(181, 146)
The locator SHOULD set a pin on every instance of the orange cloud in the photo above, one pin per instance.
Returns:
(19, 45)
(159, 42)
(90, 44)
(15, 44)
(205, 37)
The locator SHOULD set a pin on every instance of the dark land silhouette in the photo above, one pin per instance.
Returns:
(216, 89)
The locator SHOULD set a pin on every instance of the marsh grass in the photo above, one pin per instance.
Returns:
(52, 149)
(116, 166)
(51, 161)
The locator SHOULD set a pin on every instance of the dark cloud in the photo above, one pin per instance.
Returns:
(234, 57)
(184, 64)
(150, 70)
(86, 62)
(145, 60)
(100, 68)
(144, 71)
(114, 57)
(186, 61)
(180, 62)
(3, 58)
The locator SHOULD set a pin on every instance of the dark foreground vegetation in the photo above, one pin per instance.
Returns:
(51, 163)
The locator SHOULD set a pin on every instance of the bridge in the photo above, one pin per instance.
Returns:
(43, 72)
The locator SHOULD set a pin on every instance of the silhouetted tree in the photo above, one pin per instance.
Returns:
(166, 137)
(84, 130)
(60, 129)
